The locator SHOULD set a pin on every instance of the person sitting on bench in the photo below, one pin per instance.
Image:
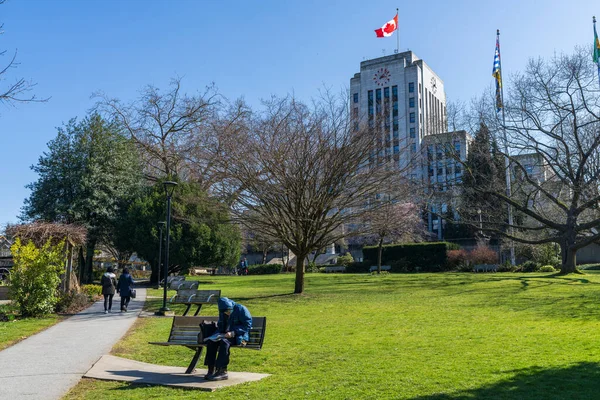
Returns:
(235, 323)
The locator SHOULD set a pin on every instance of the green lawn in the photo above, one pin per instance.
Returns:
(409, 336)
(16, 330)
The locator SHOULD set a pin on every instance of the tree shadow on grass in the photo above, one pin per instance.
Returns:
(580, 381)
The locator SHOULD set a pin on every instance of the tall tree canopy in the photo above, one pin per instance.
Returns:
(201, 231)
(89, 172)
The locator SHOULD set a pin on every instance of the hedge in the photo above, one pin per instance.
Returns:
(411, 257)
(264, 269)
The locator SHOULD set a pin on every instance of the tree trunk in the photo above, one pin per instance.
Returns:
(299, 286)
(89, 258)
(264, 259)
(80, 265)
(568, 254)
(154, 278)
(379, 253)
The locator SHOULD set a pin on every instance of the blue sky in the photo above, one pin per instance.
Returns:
(249, 49)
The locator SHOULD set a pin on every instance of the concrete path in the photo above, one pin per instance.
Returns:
(45, 366)
(113, 368)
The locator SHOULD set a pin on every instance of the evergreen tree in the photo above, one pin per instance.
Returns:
(88, 173)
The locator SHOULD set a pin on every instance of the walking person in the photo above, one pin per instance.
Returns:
(109, 284)
(124, 289)
(234, 323)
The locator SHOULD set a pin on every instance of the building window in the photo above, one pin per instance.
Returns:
(396, 149)
(412, 133)
(457, 147)
(457, 171)
(411, 102)
(356, 97)
(529, 169)
(411, 87)
(396, 135)
(370, 97)
(412, 117)
(394, 93)
(386, 92)
(413, 148)
(355, 112)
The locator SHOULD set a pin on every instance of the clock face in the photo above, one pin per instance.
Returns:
(382, 77)
(433, 84)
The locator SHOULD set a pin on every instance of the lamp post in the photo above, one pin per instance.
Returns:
(480, 223)
(161, 226)
(169, 188)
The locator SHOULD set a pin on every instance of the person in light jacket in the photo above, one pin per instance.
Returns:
(124, 289)
(109, 283)
(235, 323)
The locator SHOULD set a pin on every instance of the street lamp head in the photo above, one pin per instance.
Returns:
(169, 188)
(161, 224)
(479, 211)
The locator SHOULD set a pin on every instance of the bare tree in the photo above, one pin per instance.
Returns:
(553, 137)
(17, 91)
(308, 172)
(165, 125)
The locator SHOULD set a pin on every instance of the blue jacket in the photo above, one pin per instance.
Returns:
(239, 321)
(125, 285)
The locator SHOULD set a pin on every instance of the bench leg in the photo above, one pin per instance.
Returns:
(195, 359)
(198, 310)
(187, 309)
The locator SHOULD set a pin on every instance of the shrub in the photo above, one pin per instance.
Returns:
(430, 256)
(547, 268)
(264, 269)
(483, 255)
(92, 291)
(529, 266)
(457, 258)
(71, 302)
(402, 266)
(359, 267)
(35, 277)
(589, 267)
(312, 267)
(345, 260)
(507, 267)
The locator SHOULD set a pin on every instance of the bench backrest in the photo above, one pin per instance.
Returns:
(193, 296)
(185, 330)
(182, 284)
(175, 278)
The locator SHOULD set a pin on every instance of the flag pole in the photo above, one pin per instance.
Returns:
(506, 160)
(398, 34)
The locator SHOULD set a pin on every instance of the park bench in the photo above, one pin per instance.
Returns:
(191, 297)
(183, 285)
(383, 268)
(485, 268)
(171, 279)
(185, 330)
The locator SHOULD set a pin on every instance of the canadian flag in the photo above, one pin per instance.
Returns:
(388, 28)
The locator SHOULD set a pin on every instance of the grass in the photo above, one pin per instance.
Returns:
(410, 336)
(17, 329)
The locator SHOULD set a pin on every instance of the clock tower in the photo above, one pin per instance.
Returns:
(401, 100)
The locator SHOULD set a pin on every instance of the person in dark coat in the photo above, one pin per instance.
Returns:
(109, 283)
(235, 323)
(124, 289)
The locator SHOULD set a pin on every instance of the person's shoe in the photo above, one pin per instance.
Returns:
(211, 372)
(109, 311)
(220, 375)
(105, 311)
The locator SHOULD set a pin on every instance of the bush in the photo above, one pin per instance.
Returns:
(529, 266)
(92, 291)
(589, 267)
(358, 267)
(427, 257)
(507, 267)
(547, 268)
(264, 269)
(457, 259)
(483, 255)
(35, 277)
(72, 302)
(345, 260)
(312, 267)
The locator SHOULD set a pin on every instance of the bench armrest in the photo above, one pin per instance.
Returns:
(190, 298)
(172, 298)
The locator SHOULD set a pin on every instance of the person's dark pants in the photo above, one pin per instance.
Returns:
(125, 302)
(222, 347)
(108, 301)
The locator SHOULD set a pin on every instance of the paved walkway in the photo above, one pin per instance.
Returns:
(45, 366)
